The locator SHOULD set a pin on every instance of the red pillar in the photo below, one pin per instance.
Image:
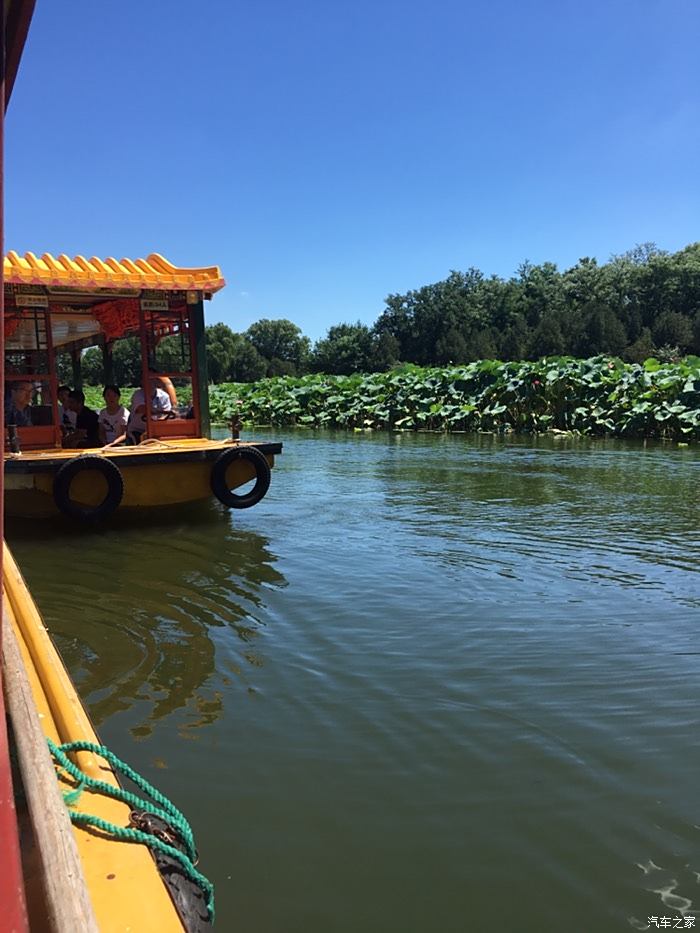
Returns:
(12, 903)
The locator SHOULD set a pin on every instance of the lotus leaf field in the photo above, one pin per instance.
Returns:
(598, 396)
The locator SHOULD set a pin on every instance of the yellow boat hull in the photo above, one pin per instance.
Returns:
(165, 474)
(123, 883)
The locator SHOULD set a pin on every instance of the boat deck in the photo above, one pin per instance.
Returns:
(183, 450)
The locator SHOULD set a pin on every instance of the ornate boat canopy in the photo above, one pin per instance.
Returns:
(89, 275)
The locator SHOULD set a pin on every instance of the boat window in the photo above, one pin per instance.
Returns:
(30, 405)
(26, 342)
(169, 360)
(168, 341)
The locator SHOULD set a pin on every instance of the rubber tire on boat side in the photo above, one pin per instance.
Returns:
(262, 477)
(187, 896)
(67, 473)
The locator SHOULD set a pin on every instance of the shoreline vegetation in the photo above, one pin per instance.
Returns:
(610, 349)
(600, 396)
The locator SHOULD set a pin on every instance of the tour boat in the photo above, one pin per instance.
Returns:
(60, 306)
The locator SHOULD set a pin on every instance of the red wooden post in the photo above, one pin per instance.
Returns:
(14, 911)
(145, 380)
(14, 25)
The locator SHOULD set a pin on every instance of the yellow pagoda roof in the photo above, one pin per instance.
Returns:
(155, 272)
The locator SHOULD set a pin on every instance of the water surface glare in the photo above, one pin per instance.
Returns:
(428, 684)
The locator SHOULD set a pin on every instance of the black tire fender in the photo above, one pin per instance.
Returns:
(67, 473)
(262, 477)
(188, 897)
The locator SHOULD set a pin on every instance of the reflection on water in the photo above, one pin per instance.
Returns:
(134, 608)
(530, 506)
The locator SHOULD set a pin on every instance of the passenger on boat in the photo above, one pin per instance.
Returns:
(166, 384)
(17, 405)
(113, 418)
(66, 415)
(86, 432)
(160, 402)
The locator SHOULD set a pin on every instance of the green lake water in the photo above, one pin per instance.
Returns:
(428, 684)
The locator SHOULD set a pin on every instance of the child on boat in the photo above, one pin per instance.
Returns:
(113, 418)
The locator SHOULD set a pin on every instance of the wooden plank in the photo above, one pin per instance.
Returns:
(67, 897)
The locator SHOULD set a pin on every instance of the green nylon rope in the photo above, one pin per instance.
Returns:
(165, 809)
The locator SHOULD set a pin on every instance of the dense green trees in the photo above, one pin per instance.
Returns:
(267, 348)
(643, 303)
(353, 348)
(231, 356)
(126, 362)
(282, 344)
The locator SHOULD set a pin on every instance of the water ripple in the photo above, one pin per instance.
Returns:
(451, 680)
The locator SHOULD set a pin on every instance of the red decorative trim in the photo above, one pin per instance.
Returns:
(117, 318)
(12, 322)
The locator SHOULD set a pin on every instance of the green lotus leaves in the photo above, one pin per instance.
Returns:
(598, 396)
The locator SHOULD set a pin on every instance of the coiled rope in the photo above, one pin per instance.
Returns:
(163, 808)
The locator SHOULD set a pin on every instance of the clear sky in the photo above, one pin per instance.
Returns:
(326, 154)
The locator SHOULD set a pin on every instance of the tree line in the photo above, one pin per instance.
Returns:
(643, 303)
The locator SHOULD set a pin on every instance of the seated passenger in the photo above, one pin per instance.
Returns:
(66, 415)
(17, 410)
(160, 402)
(166, 384)
(113, 418)
(87, 433)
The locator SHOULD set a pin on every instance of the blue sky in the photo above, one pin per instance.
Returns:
(328, 154)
